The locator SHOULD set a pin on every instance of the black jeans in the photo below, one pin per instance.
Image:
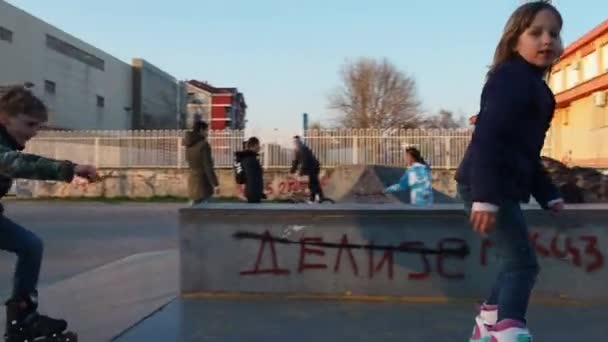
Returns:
(254, 196)
(314, 185)
(254, 199)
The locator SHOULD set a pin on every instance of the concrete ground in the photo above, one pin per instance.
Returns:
(230, 320)
(80, 236)
(108, 266)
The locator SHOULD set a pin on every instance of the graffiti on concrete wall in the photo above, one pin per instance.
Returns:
(446, 258)
(370, 258)
(284, 185)
(581, 251)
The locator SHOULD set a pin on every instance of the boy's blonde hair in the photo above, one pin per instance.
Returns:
(19, 100)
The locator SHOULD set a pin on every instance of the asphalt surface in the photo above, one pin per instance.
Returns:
(290, 320)
(80, 236)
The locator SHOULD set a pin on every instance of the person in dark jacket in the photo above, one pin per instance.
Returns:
(502, 166)
(22, 115)
(202, 181)
(254, 175)
(308, 165)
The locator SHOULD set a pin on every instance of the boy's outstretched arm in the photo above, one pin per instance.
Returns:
(16, 164)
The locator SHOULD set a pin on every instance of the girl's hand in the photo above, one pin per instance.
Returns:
(557, 207)
(483, 221)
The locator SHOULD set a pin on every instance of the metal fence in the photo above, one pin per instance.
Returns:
(440, 148)
(131, 149)
(164, 149)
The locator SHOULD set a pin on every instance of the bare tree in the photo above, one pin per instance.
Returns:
(316, 125)
(444, 119)
(375, 94)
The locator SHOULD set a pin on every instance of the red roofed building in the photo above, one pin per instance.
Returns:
(222, 108)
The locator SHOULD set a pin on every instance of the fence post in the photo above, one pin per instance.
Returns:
(96, 153)
(179, 152)
(448, 154)
(266, 156)
(355, 150)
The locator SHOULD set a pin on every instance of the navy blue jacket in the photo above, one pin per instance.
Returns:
(254, 175)
(306, 162)
(502, 161)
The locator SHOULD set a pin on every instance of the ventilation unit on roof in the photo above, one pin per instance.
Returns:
(575, 65)
(599, 99)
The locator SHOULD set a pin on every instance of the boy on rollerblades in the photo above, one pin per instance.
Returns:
(21, 116)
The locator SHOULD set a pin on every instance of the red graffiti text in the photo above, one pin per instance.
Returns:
(444, 259)
(581, 251)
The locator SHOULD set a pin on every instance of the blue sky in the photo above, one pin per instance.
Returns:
(284, 55)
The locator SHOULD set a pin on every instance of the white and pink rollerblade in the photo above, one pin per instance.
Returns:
(508, 330)
(485, 320)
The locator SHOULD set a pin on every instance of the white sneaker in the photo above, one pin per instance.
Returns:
(488, 314)
(509, 330)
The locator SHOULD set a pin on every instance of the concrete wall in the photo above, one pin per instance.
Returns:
(155, 97)
(77, 84)
(355, 249)
(143, 183)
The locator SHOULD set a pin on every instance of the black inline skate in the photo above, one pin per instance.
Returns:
(25, 324)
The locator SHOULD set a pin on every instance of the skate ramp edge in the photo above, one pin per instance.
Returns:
(365, 183)
(103, 302)
(380, 250)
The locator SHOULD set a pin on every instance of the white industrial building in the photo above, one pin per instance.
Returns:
(84, 87)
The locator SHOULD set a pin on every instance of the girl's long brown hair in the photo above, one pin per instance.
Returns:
(519, 21)
(415, 153)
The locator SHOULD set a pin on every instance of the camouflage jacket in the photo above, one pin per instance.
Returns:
(15, 164)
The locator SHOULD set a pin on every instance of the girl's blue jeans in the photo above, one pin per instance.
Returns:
(519, 265)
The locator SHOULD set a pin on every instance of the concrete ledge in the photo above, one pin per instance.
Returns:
(101, 303)
(388, 250)
(374, 299)
(241, 208)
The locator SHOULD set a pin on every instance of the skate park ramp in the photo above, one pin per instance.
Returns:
(272, 267)
(275, 320)
(365, 183)
(381, 250)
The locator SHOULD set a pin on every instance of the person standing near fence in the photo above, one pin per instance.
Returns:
(417, 179)
(308, 165)
(503, 166)
(202, 181)
(254, 175)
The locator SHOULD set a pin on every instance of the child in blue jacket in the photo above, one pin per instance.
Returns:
(417, 178)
